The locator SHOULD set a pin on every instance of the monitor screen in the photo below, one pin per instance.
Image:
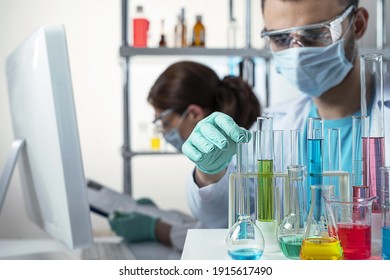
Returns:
(43, 114)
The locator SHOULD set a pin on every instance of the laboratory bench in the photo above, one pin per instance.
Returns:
(209, 244)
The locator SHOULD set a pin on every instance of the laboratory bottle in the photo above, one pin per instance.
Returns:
(162, 43)
(181, 31)
(291, 229)
(155, 140)
(199, 33)
(140, 29)
(320, 238)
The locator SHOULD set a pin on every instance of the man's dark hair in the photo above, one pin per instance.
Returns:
(344, 2)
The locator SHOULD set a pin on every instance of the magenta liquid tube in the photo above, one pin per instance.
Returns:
(360, 164)
(372, 96)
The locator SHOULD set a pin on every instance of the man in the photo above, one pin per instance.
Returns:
(320, 59)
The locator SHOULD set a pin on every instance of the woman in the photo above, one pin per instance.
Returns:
(184, 94)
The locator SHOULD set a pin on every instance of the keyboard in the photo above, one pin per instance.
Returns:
(107, 251)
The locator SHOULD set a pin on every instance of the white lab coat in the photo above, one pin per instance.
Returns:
(210, 203)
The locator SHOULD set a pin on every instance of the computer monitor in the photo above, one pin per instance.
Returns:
(47, 140)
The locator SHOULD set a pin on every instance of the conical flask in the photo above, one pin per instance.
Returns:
(291, 229)
(320, 240)
(245, 240)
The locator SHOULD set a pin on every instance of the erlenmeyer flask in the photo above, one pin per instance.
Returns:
(245, 240)
(291, 229)
(320, 240)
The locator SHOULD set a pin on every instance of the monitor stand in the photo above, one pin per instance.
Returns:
(26, 248)
(6, 175)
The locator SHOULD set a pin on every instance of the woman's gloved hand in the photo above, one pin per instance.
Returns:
(212, 143)
(133, 227)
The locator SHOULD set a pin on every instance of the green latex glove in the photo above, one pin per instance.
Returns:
(133, 227)
(212, 143)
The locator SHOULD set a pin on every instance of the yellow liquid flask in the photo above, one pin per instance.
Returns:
(320, 239)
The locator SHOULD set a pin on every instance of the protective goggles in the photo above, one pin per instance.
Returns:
(312, 35)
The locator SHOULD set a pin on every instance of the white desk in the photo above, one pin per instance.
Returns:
(49, 249)
(209, 244)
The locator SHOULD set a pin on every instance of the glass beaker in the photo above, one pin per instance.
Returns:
(245, 240)
(320, 240)
(385, 211)
(353, 219)
(290, 231)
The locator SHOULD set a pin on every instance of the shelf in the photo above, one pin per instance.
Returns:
(126, 51)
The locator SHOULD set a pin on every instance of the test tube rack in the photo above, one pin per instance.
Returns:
(343, 182)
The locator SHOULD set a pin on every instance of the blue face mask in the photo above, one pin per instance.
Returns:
(313, 70)
(173, 137)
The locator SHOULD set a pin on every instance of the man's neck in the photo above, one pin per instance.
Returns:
(342, 100)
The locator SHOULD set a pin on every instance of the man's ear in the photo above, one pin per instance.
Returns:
(360, 22)
(196, 113)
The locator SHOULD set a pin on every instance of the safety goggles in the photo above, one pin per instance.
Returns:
(162, 121)
(312, 35)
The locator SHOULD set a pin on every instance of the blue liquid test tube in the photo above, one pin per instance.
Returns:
(315, 138)
(385, 211)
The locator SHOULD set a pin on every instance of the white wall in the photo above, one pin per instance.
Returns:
(93, 31)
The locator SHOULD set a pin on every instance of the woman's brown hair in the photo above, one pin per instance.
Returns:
(186, 82)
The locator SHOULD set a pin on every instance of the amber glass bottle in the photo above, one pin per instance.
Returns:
(199, 33)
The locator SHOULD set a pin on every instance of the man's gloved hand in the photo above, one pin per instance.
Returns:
(212, 143)
(133, 227)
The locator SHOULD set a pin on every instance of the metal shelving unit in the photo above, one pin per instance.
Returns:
(127, 52)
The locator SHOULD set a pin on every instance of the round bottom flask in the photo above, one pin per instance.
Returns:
(245, 240)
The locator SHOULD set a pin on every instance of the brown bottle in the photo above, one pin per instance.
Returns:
(198, 33)
(163, 42)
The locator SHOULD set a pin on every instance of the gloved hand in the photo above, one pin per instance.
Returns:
(133, 227)
(212, 143)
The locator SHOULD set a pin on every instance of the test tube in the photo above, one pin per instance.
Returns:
(281, 205)
(243, 190)
(296, 147)
(334, 157)
(265, 189)
(372, 97)
(265, 207)
(385, 211)
(360, 168)
(315, 138)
